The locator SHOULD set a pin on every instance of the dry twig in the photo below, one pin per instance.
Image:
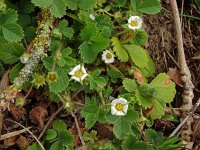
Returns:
(186, 76)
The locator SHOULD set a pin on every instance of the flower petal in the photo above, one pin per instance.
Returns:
(120, 113)
(75, 78)
(83, 76)
(113, 110)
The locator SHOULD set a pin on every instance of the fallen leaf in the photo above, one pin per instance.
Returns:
(175, 75)
(10, 141)
(138, 76)
(22, 143)
(16, 112)
(38, 115)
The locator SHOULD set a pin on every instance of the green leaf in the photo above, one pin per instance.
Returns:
(10, 52)
(143, 101)
(164, 88)
(121, 128)
(14, 72)
(51, 134)
(120, 51)
(9, 29)
(57, 7)
(1, 69)
(59, 125)
(120, 3)
(96, 73)
(149, 6)
(66, 138)
(92, 45)
(82, 4)
(97, 82)
(57, 145)
(34, 147)
(132, 143)
(131, 116)
(129, 84)
(146, 90)
(154, 137)
(104, 22)
(111, 118)
(91, 113)
(63, 79)
(157, 110)
(12, 32)
(140, 38)
(141, 59)
(42, 3)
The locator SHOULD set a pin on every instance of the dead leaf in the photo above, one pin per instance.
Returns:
(22, 143)
(138, 76)
(10, 141)
(175, 75)
(38, 115)
(16, 112)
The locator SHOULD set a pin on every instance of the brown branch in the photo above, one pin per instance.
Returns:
(186, 76)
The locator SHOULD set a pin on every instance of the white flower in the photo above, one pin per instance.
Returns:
(78, 73)
(135, 22)
(119, 107)
(108, 56)
(92, 16)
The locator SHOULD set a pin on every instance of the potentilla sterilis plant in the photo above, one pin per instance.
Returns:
(78, 73)
(119, 107)
(135, 22)
(108, 56)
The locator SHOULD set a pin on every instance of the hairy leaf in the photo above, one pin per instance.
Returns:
(149, 6)
(129, 84)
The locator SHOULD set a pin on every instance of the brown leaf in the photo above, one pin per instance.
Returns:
(16, 112)
(10, 141)
(38, 115)
(138, 76)
(175, 75)
(22, 143)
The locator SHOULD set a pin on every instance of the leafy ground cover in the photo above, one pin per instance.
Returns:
(81, 74)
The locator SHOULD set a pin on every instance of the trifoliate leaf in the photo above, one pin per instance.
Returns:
(104, 21)
(164, 88)
(41, 3)
(97, 82)
(154, 137)
(10, 16)
(149, 6)
(92, 45)
(63, 80)
(10, 52)
(140, 38)
(12, 32)
(57, 7)
(51, 134)
(57, 145)
(146, 90)
(131, 116)
(132, 143)
(82, 4)
(120, 51)
(143, 101)
(59, 125)
(129, 84)
(141, 59)
(91, 113)
(14, 72)
(121, 128)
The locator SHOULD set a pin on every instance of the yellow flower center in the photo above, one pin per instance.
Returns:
(108, 55)
(134, 23)
(78, 74)
(39, 79)
(119, 106)
(52, 77)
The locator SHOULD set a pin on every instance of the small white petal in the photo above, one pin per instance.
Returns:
(120, 113)
(137, 19)
(75, 78)
(113, 110)
(78, 67)
(84, 76)
(125, 108)
(83, 69)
